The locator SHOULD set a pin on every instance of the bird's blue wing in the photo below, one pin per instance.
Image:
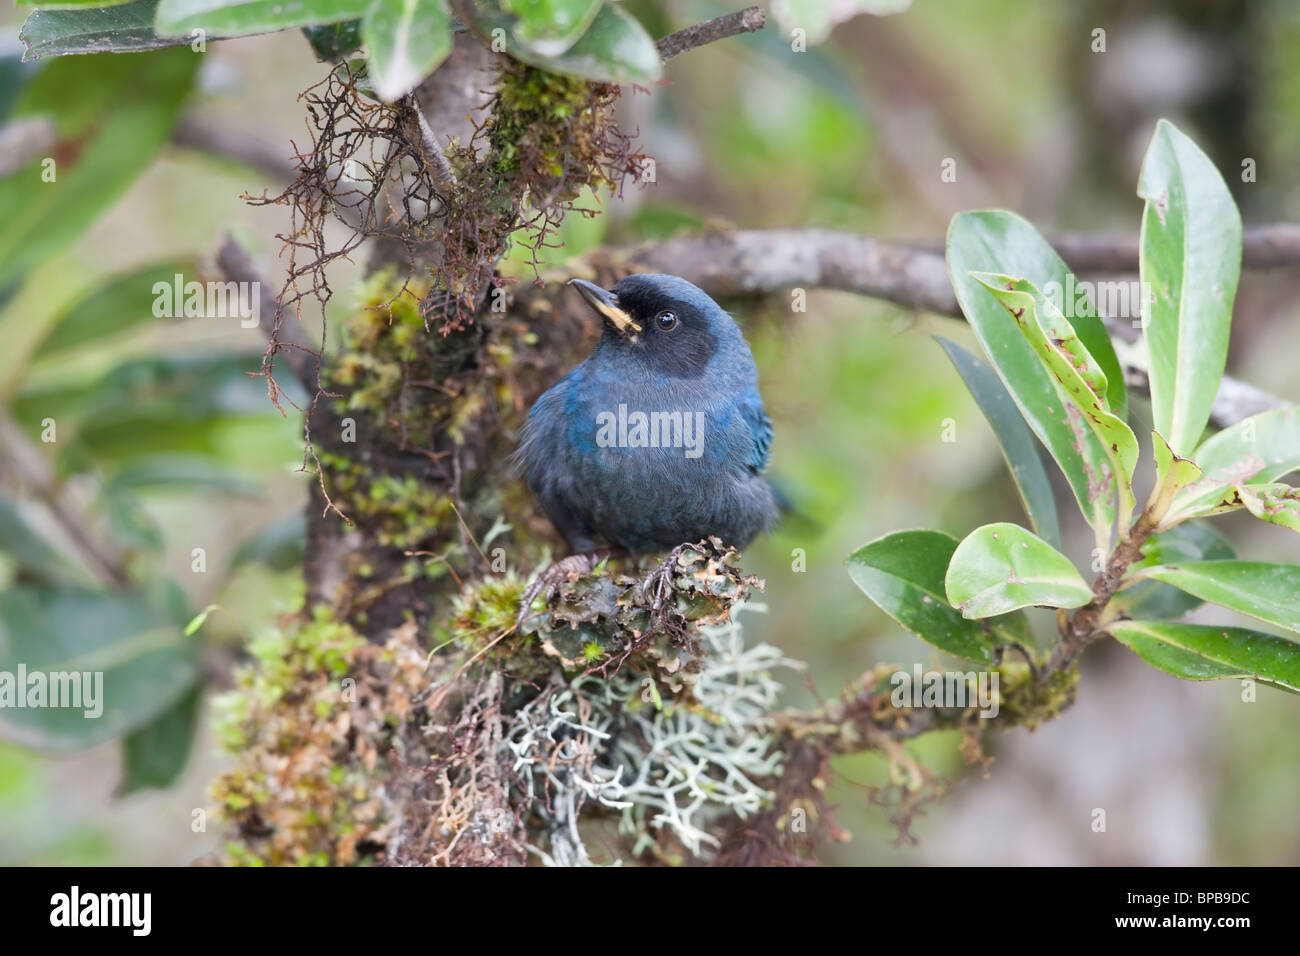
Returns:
(760, 428)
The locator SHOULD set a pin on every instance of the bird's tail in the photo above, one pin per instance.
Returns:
(791, 511)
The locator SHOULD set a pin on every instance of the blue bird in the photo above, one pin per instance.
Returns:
(659, 437)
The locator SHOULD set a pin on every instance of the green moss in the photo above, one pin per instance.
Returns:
(1024, 701)
(490, 604)
(385, 347)
(536, 109)
(400, 511)
(307, 723)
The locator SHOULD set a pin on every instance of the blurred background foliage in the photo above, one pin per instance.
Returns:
(168, 445)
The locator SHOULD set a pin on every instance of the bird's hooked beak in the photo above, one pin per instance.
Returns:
(606, 303)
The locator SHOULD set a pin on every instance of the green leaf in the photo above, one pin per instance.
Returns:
(405, 40)
(1173, 474)
(199, 620)
(615, 49)
(1191, 541)
(186, 473)
(1066, 359)
(127, 28)
(334, 41)
(1190, 262)
(1002, 242)
(1017, 441)
(68, 4)
(13, 78)
(28, 549)
(1256, 450)
(1269, 592)
(156, 754)
(279, 545)
(1201, 652)
(903, 574)
(134, 640)
(1181, 471)
(150, 406)
(122, 303)
(1277, 503)
(1225, 498)
(237, 18)
(129, 521)
(123, 435)
(113, 114)
(1001, 567)
(550, 27)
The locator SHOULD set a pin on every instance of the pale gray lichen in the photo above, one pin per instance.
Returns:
(662, 763)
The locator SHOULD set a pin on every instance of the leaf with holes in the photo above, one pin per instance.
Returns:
(1072, 366)
(997, 241)
(1256, 450)
(1277, 503)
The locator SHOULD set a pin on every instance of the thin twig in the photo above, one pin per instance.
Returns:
(719, 28)
(434, 157)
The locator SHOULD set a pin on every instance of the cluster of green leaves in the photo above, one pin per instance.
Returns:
(118, 421)
(1056, 381)
(403, 40)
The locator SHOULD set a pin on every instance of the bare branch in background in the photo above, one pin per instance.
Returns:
(25, 140)
(719, 28)
(1270, 246)
(24, 465)
(1262, 247)
(763, 261)
(217, 138)
(1236, 399)
(237, 266)
(915, 276)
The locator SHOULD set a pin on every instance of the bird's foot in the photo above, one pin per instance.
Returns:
(549, 580)
(659, 583)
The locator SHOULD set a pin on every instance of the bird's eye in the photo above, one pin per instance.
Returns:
(667, 321)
